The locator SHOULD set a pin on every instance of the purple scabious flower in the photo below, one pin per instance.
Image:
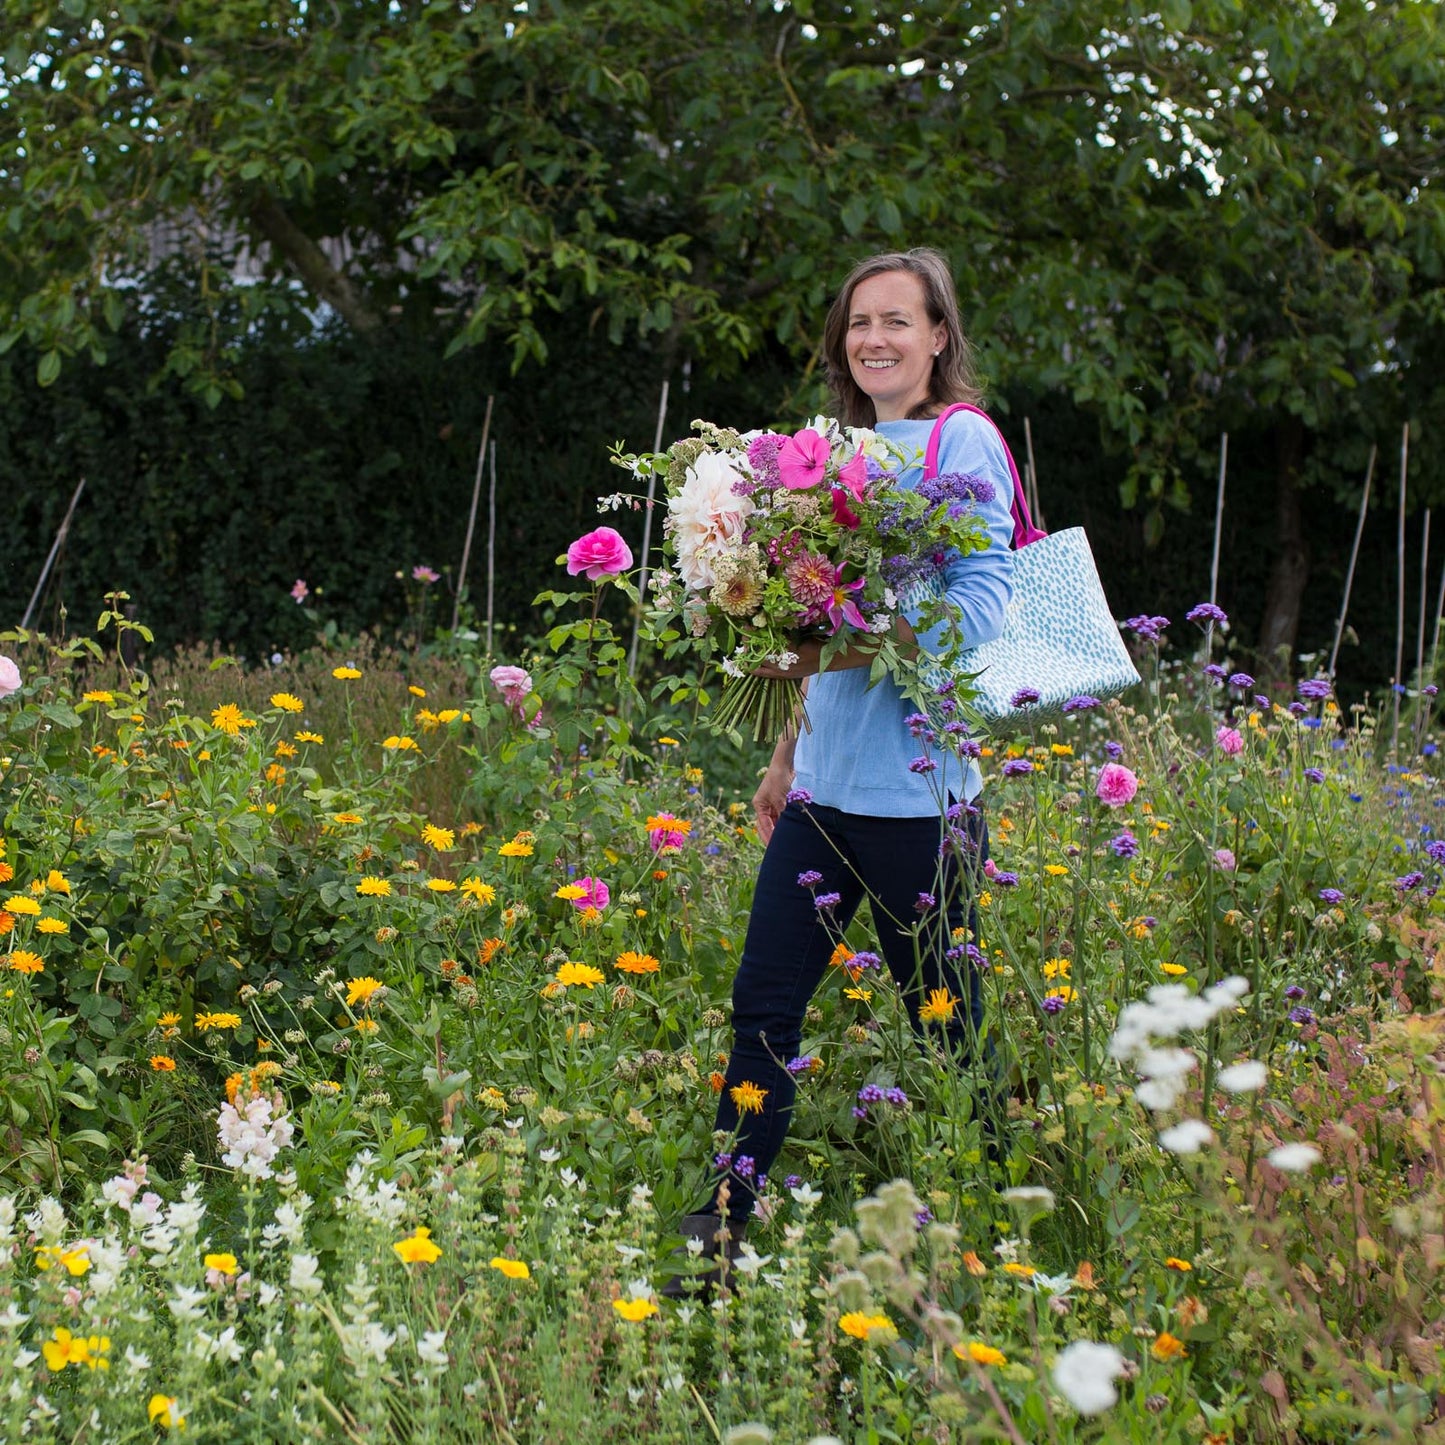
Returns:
(809, 878)
(823, 902)
(1017, 767)
(1005, 879)
(1242, 680)
(1294, 991)
(923, 765)
(924, 1216)
(1314, 688)
(1298, 709)
(1052, 1004)
(763, 458)
(1114, 750)
(1407, 881)
(1436, 850)
(1430, 689)
(1082, 703)
(1301, 1015)
(1024, 697)
(1262, 702)
(865, 960)
(1315, 775)
(801, 1065)
(1149, 628)
(1214, 670)
(1331, 896)
(1125, 845)
(799, 795)
(1207, 612)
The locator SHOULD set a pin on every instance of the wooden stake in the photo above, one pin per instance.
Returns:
(1218, 518)
(491, 547)
(1354, 556)
(1397, 681)
(1424, 587)
(1033, 479)
(55, 547)
(472, 519)
(647, 536)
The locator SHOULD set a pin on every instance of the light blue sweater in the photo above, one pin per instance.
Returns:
(856, 756)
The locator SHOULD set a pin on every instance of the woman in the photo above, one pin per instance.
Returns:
(861, 822)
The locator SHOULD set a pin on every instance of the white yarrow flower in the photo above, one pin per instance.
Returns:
(1294, 1158)
(1084, 1375)
(1248, 1077)
(1189, 1136)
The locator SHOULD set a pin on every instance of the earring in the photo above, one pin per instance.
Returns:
(938, 353)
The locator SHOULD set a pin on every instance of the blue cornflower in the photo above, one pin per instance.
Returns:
(1315, 775)
(1331, 896)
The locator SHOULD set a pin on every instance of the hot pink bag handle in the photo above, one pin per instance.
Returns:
(1024, 529)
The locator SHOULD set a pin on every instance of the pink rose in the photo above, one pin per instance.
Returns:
(9, 677)
(1116, 785)
(299, 590)
(803, 459)
(514, 683)
(596, 896)
(1229, 742)
(602, 553)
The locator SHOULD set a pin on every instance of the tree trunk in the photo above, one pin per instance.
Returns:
(309, 261)
(1279, 629)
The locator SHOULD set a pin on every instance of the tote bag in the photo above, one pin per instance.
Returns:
(1059, 637)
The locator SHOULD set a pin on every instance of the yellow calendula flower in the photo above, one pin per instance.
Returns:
(427, 718)
(367, 1026)
(634, 1311)
(275, 773)
(229, 719)
(346, 674)
(748, 1097)
(287, 702)
(512, 1268)
(400, 744)
(347, 819)
(631, 962)
(417, 691)
(74, 1261)
(1056, 968)
(1055, 870)
(362, 990)
(1182, 1265)
(514, 849)
(939, 1008)
(439, 838)
(1061, 750)
(476, 889)
(1023, 1271)
(24, 961)
(99, 695)
(441, 885)
(449, 715)
(1173, 969)
(859, 995)
(580, 974)
(21, 905)
(168, 1020)
(1167, 1347)
(221, 1263)
(417, 1248)
(217, 1021)
(570, 892)
(373, 888)
(980, 1353)
(309, 737)
(863, 1326)
(283, 749)
(165, 1410)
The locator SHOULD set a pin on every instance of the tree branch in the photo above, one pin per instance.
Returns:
(308, 260)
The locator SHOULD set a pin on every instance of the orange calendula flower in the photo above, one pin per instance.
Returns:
(748, 1097)
(229, 719)
(1084, 1276)
(1167, 1347)
(939, 1008)
(715, 1081)
(512, 1268)
(1182, 1265)
(24, 961)
(439, 838)
(163, 1063)
(973, 1264)
(980, 1353)
(347, 819)
(373, 888)
(631, 962)
(580, 974)
(7, 923)
(487, 950)
(6, 872)
(863, 1326)
(287, 702)
(634, 1311)
(417, 1248)
(275, 773)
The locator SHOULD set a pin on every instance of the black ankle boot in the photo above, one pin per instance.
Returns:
(715, 1233)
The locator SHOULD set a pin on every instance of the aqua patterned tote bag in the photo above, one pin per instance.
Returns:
(1060, 640)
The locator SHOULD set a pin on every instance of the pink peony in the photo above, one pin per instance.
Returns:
(602, 553)
(9, 677)
(596, 896)
(803, 460)
(1116, 785)
(1229, 741)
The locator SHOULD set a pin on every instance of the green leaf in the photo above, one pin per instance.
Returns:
(854, 214)
(48, 368)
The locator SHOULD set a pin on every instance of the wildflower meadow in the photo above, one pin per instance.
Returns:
(362, 1017)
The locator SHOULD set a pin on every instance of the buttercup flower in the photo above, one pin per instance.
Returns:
(417, 1247)
(512, 1268)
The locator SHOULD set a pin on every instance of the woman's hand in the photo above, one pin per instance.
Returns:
(772, 797)
(807, 653)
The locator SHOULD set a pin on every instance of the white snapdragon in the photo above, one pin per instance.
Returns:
(305, 1275)
(431, 1349)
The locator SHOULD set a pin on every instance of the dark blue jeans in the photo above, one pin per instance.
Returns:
(920, 882)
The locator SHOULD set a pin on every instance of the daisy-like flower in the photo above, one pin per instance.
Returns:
(373, 888)
(441, 885)
(570, 892)
(346, 674)
(482, 893)
(580, 974)
(287, 702)
(417, 1248)
(439, 838)
(400, 744)
(22, 906)
(747, 1097)
(631, 962)
(980, 1353)
(512, 1268)
(309, 737)
(863, 1326)
(163, 1063)
(24, 961)
(1167, 1347)
(362, 990)
(347, 820)
(99, 695)
(939, 1008)
(514, 849)
(229, 719)
(207, 1021)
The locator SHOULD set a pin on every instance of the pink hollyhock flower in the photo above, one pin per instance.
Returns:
(855, 475)
(9, 677)
(661, 836)
(299, 590)
(1116, 785)
(1224, 859)
(803, 459)
(1229, 741)
(601, 553)
(597, 895)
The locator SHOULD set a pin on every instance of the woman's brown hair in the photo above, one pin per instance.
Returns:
(952, 378)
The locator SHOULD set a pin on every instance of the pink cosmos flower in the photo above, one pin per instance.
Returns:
(601, 553)
(1229, 742)
(598, 895)
(803, 459)
(1116, 785)
(9, 677)
(299, 590)
(425, 574)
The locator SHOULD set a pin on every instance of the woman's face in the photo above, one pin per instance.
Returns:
(891, 342)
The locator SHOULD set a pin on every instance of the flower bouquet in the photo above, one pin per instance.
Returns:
(771, 539)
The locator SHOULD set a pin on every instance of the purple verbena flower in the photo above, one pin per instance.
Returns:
(799, 795)
(923, 765)
(1017, 767)
(1407, 881)
(793, 1181)
(1052, 1004)
(1024, 697)
(1242, 680)
(1005, 879)
(1331, 896)
(801, 1065)
(1298, 709)
(744, 1166)
(809, 878)
(924, 902)
(1114, 750)
(1436, 850)
(763, 458)
(1207, 612)
(1082, 703)
(722, 1162)
(1315, 775)
(865, 960)
(1262, 702)
(1149, 628)
(1301, 1015)
(1294, 991)
(916, 723)
(859, 1112)
(1214, 670)
(968, 748)
(823, 902)
(870, 1094)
